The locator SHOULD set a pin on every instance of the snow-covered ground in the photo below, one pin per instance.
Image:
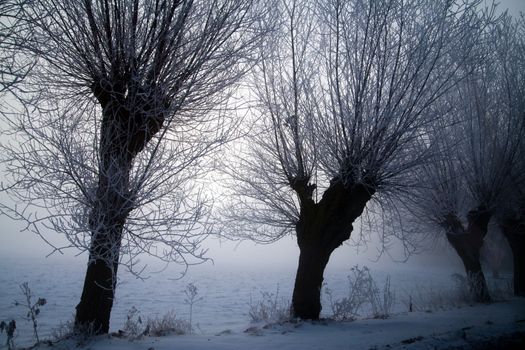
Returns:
(466, 327)
(226, 297)
(495, 326)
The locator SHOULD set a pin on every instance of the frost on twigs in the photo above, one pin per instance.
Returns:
(364, 298)
(192, 297)
(115, 142)
(81, 335)
(271, 308)
(135, 327)
(461, 292)
(166, 325)
(33, 310)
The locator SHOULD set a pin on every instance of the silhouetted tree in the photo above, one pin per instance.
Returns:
(479, 151)
(125, 100)
(344, 90)
(511, 58)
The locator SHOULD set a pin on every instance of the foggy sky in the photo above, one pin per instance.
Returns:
(15, 244)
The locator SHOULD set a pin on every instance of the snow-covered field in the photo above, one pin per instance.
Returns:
(226, 296)
(465, 328)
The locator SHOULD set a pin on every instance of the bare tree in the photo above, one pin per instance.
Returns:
(441, 199)
(345, 91)
(479, 151)
(12, 67)
(125, 101)
(511, 217)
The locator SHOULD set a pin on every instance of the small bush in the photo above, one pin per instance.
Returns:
(271, 308)
(191, 293)
(33, 310)
(457, 295)
(68, 330)
(166, 325)
(9, 328)
(133, 326)
(64, 330)
(383, 301)
(429, 298)
(464, 288)
(363, 296)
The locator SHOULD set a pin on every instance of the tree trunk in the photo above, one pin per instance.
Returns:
(322, 227)
(107, 220)
(469, 255)
(96, 302)
(306, 299)
(467, 243)
(513, 231)
(124, 134)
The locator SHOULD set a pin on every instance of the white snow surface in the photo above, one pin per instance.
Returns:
(221, 318)
(416, 330)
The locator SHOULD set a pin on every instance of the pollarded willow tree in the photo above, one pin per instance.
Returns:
(123, 104)
(468, 183)
(438, 200)
(510, 49)
(344, 92)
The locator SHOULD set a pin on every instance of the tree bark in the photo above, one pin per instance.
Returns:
(470, 257)
(306, 299)
(94, 309)
(322, 227)
(467, 243)
(514, 232)
(107, 219)
(124, 134)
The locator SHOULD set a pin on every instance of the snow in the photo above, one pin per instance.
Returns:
(221, 318)
(417, 330)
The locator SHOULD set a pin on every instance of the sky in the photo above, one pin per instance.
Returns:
(18, 244)
(514, 6)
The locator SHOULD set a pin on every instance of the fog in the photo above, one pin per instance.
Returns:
(19, 244)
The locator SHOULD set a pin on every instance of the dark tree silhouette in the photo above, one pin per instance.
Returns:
(125, 100)
(514, 232)
(479, 144)
(511, 218)
(344, 90)
(467, 242)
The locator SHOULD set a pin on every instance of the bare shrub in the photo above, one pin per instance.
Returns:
(133, 327)
(465, 287)
(425, 298)
(166, 325)
(460, 293)
(271, 308)
(382, 301)
(33, 310)
(64, 330)
(157, 326)
(67, 330)
(348, 308)
(9, 328)
(363, 296)
(191, 293)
